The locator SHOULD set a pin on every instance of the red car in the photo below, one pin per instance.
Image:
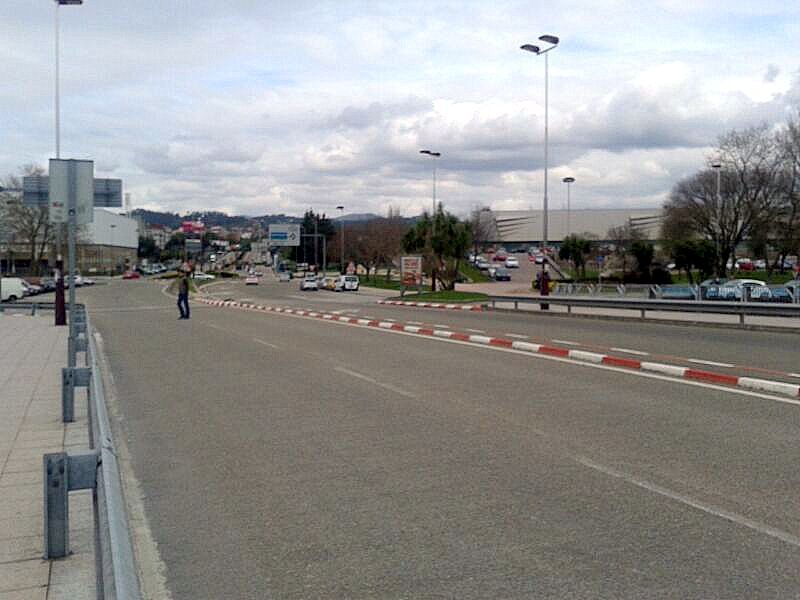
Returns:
(130, 275)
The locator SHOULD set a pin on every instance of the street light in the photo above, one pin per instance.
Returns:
(59, 3)
(434, 155)
(553, 41)
(113, 227)
(569, 181)
(341, 256)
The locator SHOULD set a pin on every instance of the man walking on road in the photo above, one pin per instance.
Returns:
(183, 295)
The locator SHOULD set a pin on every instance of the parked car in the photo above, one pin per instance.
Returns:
(48, 284)
(12, 288)
(31, 289)
(482, 264)
(677, 292)
(745, 264)
(284, 276)
(203, 276)
(346, 283)
(512, 262)
(251, 280)
(130, 275)
(737, 289)
(309, 282)
(502, 274)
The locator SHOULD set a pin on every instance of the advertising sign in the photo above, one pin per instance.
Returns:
(284, 234)
(76, 178)
(411, 271)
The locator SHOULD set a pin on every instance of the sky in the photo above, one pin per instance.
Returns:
(262, 107)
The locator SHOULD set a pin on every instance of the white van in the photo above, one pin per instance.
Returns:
(346, 283)
(12, 288)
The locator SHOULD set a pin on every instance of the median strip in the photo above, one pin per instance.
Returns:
(750, 383)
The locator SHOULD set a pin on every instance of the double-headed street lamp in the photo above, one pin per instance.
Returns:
(553, 41)
(433, 155)
(341, 256)
(569, 181)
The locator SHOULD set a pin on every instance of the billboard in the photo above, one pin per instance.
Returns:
(284, 234)
(411, 271)
(36, 191)
(71, 177)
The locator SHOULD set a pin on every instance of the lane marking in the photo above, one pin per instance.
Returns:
(715, 511)
(709, 362)
(475, 330)
(412, 322)
(440, 326)
(794, 374)
(629, 351)
(258, 341)
(519, 336)
(386, 386)
(567, 342)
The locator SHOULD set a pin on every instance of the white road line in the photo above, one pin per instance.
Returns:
(733, 517)
(476, 330)
(440, 326)
(567, 342)
(711, 363)
(385, 386)
(395, 320)
(794, 374)
(258, 341)
(519, 336)
(412, 322)
(629, 351)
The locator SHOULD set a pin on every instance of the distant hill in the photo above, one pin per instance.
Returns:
(219, 219)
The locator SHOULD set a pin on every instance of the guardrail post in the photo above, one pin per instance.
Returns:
(516, 305)
(72, 377)
(62, 474)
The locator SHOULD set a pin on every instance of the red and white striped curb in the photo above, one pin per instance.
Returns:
(750, 383)
(472, 307)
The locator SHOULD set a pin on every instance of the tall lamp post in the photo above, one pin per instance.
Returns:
(113, 227)
(60, 309)
(553, 41)
(433, 155)
(569, 181)
(341, 235)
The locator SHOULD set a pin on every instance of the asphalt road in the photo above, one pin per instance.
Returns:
(754, 350)
(283, 457)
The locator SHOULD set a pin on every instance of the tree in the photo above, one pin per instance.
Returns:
(483, 226)
(446, 240)
(28, 225)
(694, 254)
(622, 237)
(575, 249)
(643, 252)
(314, 223)
(147, 248)
(786, 226)
(751, 181)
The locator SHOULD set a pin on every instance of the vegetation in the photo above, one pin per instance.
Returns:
(444, 240)
(575, 249)
(447, 296)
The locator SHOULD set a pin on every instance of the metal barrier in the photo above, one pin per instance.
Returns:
(30, 307)
(97, 470)
(741, 309)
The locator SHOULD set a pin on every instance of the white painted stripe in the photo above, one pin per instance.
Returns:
(476, 330)
(671, 370)
(722, 513)
(777, 387)
(592, 357)
(391, 320)
(451, 306)
(386, 386)
(411, 328)
(442, 326)
(566, 342)
(415, 322)
(363, 321)
(329, 317)
(480, 339)
(385, 325)
(794, 374)
(525, 346)
(444, 334)
(698, 361)
(258, 341)
(519, 336)
(343, 318)
(629, 351)
(313, 314)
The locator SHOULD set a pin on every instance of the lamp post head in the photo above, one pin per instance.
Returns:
(550, 39)
(716, 165)
(68, 2)
(568, 180)
(530, 48)
(430, 153)
(340, 208)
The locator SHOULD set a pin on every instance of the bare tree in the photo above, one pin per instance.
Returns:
(751, 180)
(786, 227)
(483, 226)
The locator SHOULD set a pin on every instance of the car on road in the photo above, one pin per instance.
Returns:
(346, 283)
(482, 264)
(12, 288)
(512, 262)
(251, 280)
(130, 275)
(309, 282)
(284, 276)
(203, 276)
(31, 289)
(501, 274)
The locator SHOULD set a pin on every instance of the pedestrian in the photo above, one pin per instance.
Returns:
(183, 295)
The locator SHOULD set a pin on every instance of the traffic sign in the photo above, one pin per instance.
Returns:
(284, 234)
(71, 190)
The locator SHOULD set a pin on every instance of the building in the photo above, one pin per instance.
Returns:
(524, 227)
(109, 243)
(158, 233)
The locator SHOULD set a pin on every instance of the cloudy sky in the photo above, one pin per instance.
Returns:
(259, 106)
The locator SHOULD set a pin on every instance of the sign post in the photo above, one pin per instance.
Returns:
(410, 273)
(284, 234)
(71, 196)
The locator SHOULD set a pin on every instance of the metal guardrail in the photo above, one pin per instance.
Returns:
(97, 470)
(30, 307)
(741, 309)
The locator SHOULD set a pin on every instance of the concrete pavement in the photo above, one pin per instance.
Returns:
(32, 354)
(282, 457)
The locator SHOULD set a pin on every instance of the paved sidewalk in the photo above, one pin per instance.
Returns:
(32, 354)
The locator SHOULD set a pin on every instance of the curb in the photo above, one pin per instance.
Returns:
(470, 307)
(748, 383)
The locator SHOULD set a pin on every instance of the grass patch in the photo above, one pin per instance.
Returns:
(380, 283)
(449, 297)
(474, 275)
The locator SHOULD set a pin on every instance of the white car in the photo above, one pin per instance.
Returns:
(733, 289)
(251, 280)
(346, 283)
(203, 276)
(309, 282)
(512, 262)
